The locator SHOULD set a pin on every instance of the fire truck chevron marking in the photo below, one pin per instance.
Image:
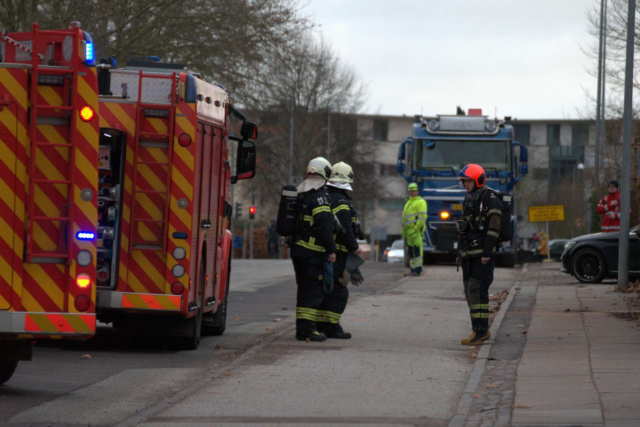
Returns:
(66, 323)
(11, 84)
(49, 95)
(153, 302)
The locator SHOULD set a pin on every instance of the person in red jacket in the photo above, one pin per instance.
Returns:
(609, 206)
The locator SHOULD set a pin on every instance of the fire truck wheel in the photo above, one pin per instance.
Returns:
(7, 368)
(192, 341)
(218, 321)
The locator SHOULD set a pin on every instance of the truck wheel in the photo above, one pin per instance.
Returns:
(215, 324)
(7, 368)
(506, 261)
(194, 324)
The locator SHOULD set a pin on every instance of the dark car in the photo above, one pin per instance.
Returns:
(556, 247)
(594, 257)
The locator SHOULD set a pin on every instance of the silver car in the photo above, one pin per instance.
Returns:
(396, 253)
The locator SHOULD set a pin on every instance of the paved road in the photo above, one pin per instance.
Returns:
(67, 378)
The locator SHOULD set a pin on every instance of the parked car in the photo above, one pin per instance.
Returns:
(396, 252)
(594, 257)
(556, 246)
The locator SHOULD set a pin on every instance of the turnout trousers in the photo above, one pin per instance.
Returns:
(310, 294)
(334, 303)
(477, 278)
(414, 247)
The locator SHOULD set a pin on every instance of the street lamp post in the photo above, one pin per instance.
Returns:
(623, 254)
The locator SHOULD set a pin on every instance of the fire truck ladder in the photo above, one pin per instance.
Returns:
(67, 75)
(140, 139)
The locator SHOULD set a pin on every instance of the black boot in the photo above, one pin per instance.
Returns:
(336, 331)
(314, 336)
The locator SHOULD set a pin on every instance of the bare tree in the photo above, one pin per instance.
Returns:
(307, 82)
(224, 40)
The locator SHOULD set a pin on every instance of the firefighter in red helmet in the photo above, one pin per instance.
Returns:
(479, 230)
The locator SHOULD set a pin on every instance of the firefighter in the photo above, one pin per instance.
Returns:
(609, 206)
(479, 232)
(334, 304)
(313, 245)
(414, 219)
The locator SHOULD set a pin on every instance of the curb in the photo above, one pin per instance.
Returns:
(466, 401)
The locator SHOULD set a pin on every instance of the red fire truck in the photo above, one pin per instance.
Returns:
(48, 190)
(126, 192)
(164, 208)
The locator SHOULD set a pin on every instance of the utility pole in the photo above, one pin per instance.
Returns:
(623, 254)
(599, 95)
(293, 104)
(329, 135)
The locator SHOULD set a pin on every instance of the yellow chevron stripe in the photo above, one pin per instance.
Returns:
(7, 157)
(6, 194)
(149, 206)
(52, 135)
(145, 232)
(50, 172)
(184, 185)
(184, 153)
(182, 214)
(84, 89)
(50, 96)
(18, 91)
(42, 238)
(42, 279)
(158, 124)
(28, 301)
(134, 283)
(125, 119)
(88, 169)
(158, 154)
(156, 183)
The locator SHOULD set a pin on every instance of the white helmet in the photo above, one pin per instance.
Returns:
(320, 166)
(342, 172)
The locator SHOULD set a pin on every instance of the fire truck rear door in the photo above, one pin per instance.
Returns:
(8, 147)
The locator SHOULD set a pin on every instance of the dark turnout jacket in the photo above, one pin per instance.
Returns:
(314, 237)
(342, 209)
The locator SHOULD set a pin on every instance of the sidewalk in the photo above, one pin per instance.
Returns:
(581, 361)
(566, 354)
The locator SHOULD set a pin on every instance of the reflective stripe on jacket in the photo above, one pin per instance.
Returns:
(414, 216)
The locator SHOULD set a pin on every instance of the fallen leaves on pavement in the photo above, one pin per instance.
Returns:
(522, 406)
(270, 328)
(85, 356)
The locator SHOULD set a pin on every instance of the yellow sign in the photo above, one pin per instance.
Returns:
(546, 213)
(457, 207)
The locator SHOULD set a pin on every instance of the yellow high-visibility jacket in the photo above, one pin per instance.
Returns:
(414, 217)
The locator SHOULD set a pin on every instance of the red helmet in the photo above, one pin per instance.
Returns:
(474, 172)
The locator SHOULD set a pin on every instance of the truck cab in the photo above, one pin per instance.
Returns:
(434, 155)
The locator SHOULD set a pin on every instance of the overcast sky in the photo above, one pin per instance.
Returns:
(522, 56)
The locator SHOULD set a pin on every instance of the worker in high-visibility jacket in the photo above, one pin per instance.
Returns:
(414, 224)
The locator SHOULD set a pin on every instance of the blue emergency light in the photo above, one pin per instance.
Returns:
(85, 235)
(89, 52)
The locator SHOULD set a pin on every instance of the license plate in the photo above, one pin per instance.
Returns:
(457, 207)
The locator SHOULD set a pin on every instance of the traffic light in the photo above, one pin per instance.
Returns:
(252, 212)
(238, 210)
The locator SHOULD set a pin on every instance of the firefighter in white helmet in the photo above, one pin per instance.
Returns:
(313, 247)
(334, 304)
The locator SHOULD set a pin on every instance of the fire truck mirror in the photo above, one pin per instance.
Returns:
(246, 161)
(249, 130)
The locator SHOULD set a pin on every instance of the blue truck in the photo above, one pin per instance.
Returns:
(433, 156)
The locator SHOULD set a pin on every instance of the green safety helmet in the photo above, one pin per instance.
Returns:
(413, 187)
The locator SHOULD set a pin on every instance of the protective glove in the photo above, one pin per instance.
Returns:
(356, 277)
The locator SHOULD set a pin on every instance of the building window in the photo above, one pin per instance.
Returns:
(580, 134)
(522, 134)
(381, 130)
(553, 135)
